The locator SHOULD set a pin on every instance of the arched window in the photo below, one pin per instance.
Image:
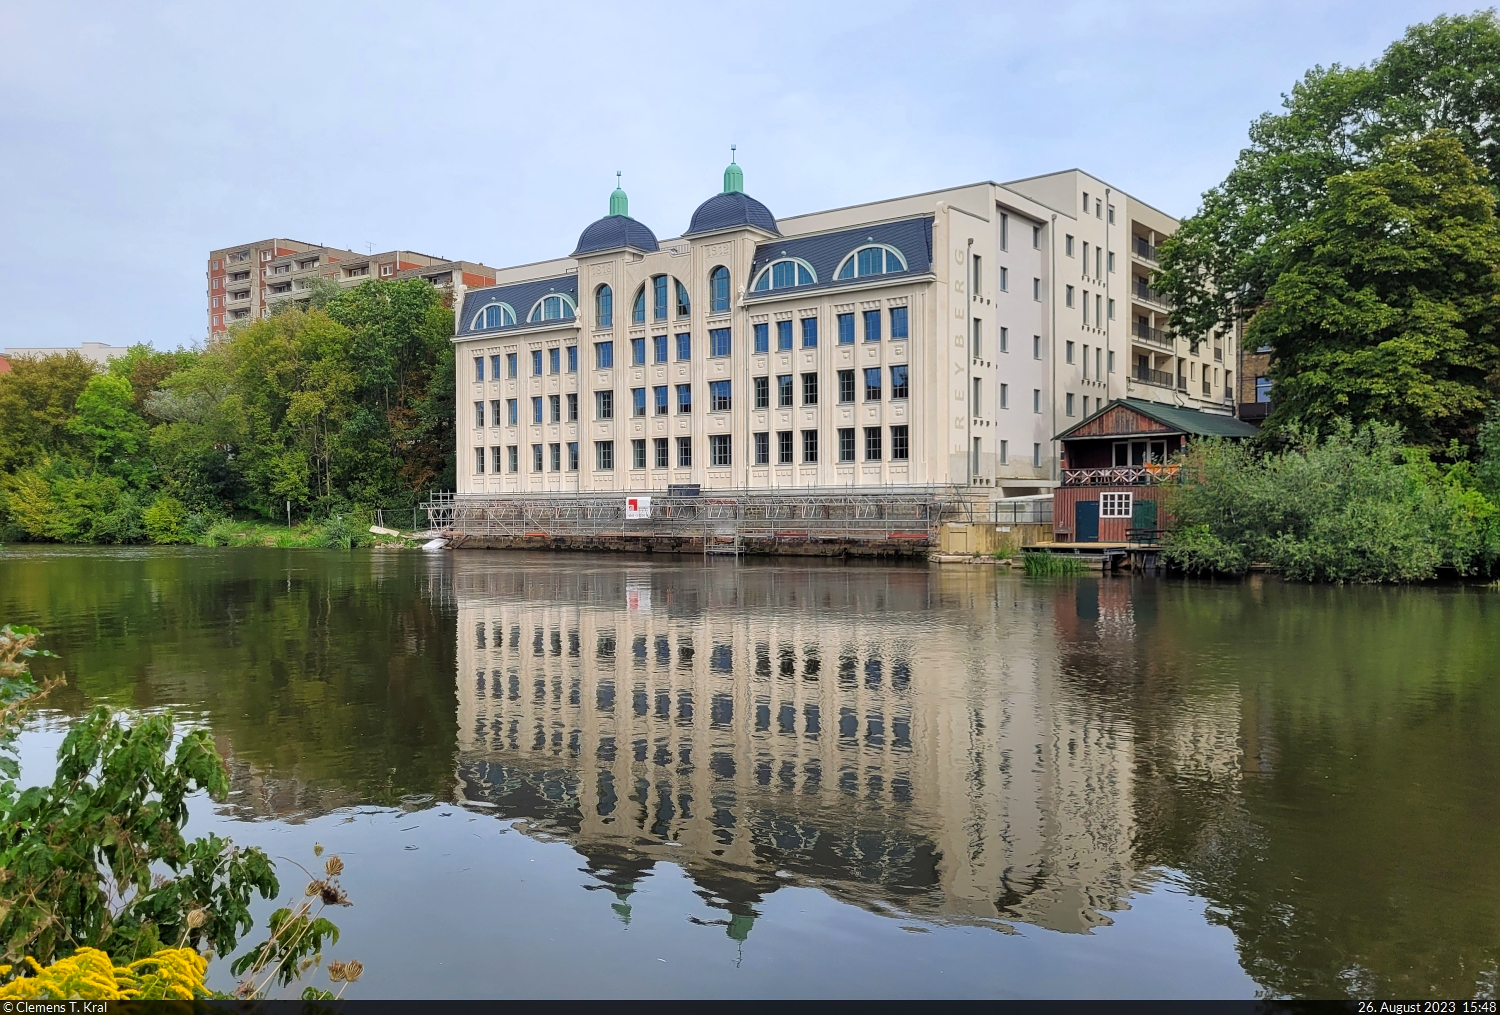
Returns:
(718, 290)
(876, 259)
(604, 306)
(551, 308)
(496, 315)
(683, 306)
(638, 310)
(659, 297)
(783, 274)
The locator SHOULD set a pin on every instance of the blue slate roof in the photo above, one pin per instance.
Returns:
(613, 232)
(521, 296)
(728, 211)
(826, 251)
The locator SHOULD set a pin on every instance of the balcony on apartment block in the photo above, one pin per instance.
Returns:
(1142, 292)
(1143, 334)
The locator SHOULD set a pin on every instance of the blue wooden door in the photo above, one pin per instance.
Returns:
(1086, 522)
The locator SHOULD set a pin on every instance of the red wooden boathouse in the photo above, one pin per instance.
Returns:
(1114, 465)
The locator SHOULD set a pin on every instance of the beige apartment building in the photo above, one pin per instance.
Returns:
(244, 282)
(940, 339)
(99, 353)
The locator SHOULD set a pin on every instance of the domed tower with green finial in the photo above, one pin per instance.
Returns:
(617, 229)
(732, 208)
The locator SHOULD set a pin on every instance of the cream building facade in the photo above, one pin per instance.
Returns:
(941, 339)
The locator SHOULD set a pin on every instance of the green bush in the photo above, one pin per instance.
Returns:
(164, 521)
(1043, 564)
(1354, 507)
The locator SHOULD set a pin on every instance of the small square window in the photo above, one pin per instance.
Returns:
(1115, 505)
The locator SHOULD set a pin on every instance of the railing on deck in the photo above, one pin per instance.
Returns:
(1123, 475)
(1024, 512)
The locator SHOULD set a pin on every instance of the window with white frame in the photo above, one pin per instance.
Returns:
(1114, 505)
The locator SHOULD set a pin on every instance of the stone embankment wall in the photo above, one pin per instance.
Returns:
(808, 547)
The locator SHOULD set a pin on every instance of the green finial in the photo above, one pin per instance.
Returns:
(734, 176)
(619, 204)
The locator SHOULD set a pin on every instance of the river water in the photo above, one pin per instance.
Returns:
(556, 775)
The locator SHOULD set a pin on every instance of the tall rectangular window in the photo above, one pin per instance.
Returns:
(809, 447)
(659, 348)
(638, 401)
(479, 372)
(846, 385)
(898, 381)
(1005, 280)
(1068, 295)
(536, 362)
(604, 405)
(762, 392)
(872, 444)
(684, 452)
(554, 457)
(638, 453)
(809, 332)
(536, 408)
(1086, 321)
(1099, 310)
(510, 364)
(1068, 401)
(762, 448)
(978, 401)
(1036, 289)
(846, 444)
(572, 359)
(1036, 237)
(554, 360)
(1098, 363)
(572, 456)
(1069, 348)
(554, 408)
(512, 458)
(659, 298)
(1111, 262)
(604, 355)
(659, 396)
(784, 447)
(1036, 399)
(762, 337)
(479, 460)
(604, 455)
(976, 275)
(872, 325)
(661, 452)
(718, 450)
(900, 444)
(1005, 396)
(1068, 245)
(1005, 340)
(846, 329)
(684, 399)
(978, 327)
(872, 384)
(510, 412)
(810, 389)
(1036, 346)
(1036, 456)
(495, 367)
(783, 336)
(898, 323)
(684, 347)
(1085, 361)
(572, 407)
(536, 458)
(495, 412)
(784, 391)
(974, 458)
(718, 396)
(1004, 231)
(637, 352)
(1005, 452)
(718, 342)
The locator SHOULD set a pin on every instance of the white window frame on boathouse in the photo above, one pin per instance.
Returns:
(1115, 505)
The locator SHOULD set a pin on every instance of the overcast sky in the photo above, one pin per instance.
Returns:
(135, 137)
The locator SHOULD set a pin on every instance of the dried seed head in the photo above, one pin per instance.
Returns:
(317, 849)
(196, 918)
(333, 895)
(353, 969)
(334, 866)
(315, 887)
(336, 971)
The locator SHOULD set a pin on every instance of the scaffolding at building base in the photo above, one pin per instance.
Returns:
(724, 520)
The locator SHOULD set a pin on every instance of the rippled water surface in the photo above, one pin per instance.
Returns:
(553, 775)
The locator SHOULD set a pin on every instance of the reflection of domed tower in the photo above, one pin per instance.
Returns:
(616, 230)
(733, 208)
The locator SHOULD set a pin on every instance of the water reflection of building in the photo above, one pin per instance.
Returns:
(898, 737)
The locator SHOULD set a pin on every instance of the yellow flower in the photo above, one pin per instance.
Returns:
(88, 974)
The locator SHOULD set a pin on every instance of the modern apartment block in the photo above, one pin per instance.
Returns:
(939, 339)
(245, 281)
